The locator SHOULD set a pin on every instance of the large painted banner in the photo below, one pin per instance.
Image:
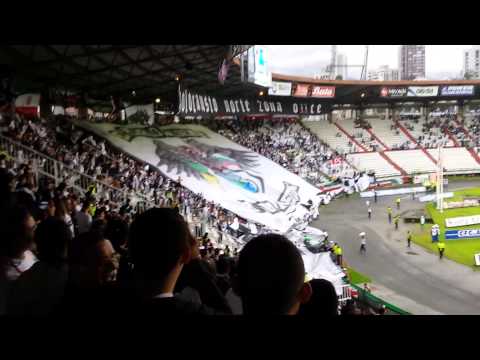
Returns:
(194, 104)
(241, 181)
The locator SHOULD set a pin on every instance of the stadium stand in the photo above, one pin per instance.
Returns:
(391, 136)
(373, 161)
(329, 133)
(457, 160)
(412, 161)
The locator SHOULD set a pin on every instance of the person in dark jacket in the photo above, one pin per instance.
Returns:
(324, 300)
(161, 245)
(271, 277)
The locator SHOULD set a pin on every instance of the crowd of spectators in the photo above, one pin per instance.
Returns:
(90, 155)
(146, 265)
(286, 142)
(62, 252)
(473, 127)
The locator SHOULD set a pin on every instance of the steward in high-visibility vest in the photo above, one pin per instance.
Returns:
(339, 252)
(398, 203)
(396, 220)
(441, 248)
(5, 154)
(92, 209)
(389, 212)
(92, 190)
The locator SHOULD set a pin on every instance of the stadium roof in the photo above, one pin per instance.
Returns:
(104, 70)
(150, 71)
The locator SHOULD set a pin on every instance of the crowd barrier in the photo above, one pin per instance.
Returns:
(376, 303)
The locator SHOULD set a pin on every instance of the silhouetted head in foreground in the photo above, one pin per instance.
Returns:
(324, 300)
(271, 276)
(160, 243)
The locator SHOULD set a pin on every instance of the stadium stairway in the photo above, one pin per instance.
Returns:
(467, 133)
(452, 138)
(373, 161)
(412, 139)
(391, 162)
(316, 134)
(328, 133)
(413, 161)
(392, 138)
(352, 139)
(474, 155)
(370, 131)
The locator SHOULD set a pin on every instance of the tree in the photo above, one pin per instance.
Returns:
(339, 77)
(468, 75)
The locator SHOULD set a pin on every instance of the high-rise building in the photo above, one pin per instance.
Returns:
(471, 62)
(383, 73)
(412, 62)
(325, 75)
(342, 63)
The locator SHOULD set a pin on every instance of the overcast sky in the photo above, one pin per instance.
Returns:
(442, 61)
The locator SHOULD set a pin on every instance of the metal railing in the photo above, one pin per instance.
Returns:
(346, 294)
(59, 172)
(375, 302)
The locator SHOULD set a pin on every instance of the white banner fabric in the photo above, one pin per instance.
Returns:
(241, 181)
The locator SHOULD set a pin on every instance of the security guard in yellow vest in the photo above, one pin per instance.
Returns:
(92, 190)
(389, 212)
(92, 209)
(441, 248)
(396, 220)
(339, 253)
(398, 203)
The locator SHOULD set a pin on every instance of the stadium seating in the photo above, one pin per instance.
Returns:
(329, 133)
(428, 140)
(412, 161)
(361, 135)
(373, 161)
(393, 138)
(457, 159)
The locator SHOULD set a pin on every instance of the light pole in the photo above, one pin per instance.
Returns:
(440, 180)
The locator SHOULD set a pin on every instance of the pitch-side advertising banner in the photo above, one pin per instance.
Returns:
(301, 90)
(393, 191)
(323, 91)
(456, 90)
(462, 221)
(422, 91)
(194, 104)
(280, 89)
(433, 197)
(393, 92)
(462, 234)
(242, 181)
